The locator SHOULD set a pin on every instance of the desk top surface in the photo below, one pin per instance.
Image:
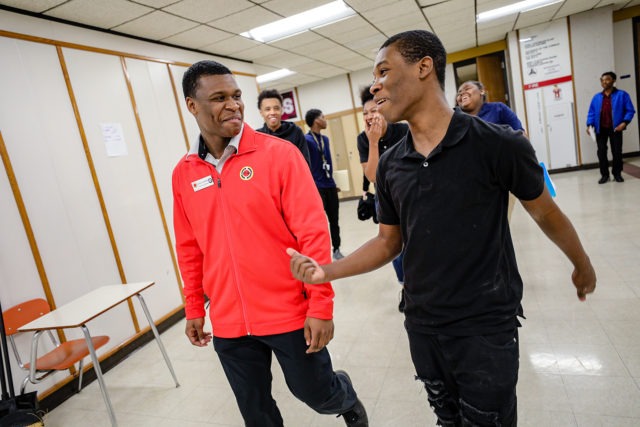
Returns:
(79, 311)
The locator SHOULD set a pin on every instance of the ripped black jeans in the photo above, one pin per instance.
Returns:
(470, 381)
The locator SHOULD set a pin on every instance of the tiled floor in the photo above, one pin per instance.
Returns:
(580, 362)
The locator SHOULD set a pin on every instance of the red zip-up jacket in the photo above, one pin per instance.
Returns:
(232, 230)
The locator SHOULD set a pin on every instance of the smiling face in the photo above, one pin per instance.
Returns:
(368, 111)
(396, 87)
(470, 98)
(217, 107)
(271, 112)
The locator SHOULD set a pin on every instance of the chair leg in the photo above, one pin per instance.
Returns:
(80, 376)
(24, 384)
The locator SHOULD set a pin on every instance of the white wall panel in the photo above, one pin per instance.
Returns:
(190, 124)
(330, 96)
(515, 77)
(165, 141)
(51, 171)
(102, 96)
(161, 125)
(625, 66)
(592, 53)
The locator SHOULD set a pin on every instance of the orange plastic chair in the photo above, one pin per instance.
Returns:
(61, 358)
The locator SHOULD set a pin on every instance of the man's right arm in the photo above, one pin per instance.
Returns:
(372, 255)
(190, 256)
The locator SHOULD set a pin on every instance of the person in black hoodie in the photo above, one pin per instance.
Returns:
(270, 106)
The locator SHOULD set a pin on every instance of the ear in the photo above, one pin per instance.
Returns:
(425, 67)
(191, 105)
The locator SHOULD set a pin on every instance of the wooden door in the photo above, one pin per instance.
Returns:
(491, 74)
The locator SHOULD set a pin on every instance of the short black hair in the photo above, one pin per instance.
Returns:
(311, 116)
(268, 94)
(197, 70)
(610, 74)
(416, 44)
(366, 95)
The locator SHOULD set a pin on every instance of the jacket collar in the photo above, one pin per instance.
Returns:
(235, 142)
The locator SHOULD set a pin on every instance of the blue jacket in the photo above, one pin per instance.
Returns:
(499, 113)
(621, 106)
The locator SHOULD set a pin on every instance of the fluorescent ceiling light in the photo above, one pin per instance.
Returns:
(295, 24)
(521, 6)
(274, 75)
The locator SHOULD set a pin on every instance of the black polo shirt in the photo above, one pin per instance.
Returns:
(395, 132)
(461, 276)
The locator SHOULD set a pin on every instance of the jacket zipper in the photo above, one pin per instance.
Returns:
(231, 253)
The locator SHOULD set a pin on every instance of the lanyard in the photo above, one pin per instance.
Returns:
(320, 145)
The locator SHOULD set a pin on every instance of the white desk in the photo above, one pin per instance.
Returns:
(78, 312)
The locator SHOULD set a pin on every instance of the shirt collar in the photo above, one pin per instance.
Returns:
(458, 127)
(199, 148)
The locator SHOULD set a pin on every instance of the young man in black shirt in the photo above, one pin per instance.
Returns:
(443, 192)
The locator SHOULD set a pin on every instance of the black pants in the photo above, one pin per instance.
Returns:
(470, 381)
(247, 364)
(616, 151)
(331, 204)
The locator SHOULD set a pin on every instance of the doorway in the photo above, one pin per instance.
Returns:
(488, 69)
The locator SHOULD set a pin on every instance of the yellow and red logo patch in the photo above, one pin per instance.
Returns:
(246, 173)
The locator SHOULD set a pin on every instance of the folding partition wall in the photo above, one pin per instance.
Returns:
(89, 139)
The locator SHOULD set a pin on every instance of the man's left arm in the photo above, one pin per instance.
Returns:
(627, 110)
(560, 231)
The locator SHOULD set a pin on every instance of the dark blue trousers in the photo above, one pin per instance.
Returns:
(247, 364)
(470, 381)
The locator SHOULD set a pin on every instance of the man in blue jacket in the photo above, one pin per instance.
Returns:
(609, 113)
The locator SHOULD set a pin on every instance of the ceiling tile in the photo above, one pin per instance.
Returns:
(245, 20)
(32, 6)
(367, 5)
(282, 59)
(309, 49)
(570, 7)
(397, 24)
(156, 25)
(99, 14)
(206, 10)
(288, 7)
(256, 52)
(381, 14)
(156, 3)
(301, 39)
(195, 38)
(230, 46)
(534, 17)
(318, 69)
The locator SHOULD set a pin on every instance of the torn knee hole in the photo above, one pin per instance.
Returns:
(473, 416)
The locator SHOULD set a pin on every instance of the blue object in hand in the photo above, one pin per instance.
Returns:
(547, 181)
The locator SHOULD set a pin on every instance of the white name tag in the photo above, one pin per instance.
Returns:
(202, 183)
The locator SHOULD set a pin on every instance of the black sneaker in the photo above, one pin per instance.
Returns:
(356, 416)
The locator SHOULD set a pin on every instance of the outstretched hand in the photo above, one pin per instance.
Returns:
(306, 269)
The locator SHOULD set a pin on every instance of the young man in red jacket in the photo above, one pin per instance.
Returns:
(240, 199)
